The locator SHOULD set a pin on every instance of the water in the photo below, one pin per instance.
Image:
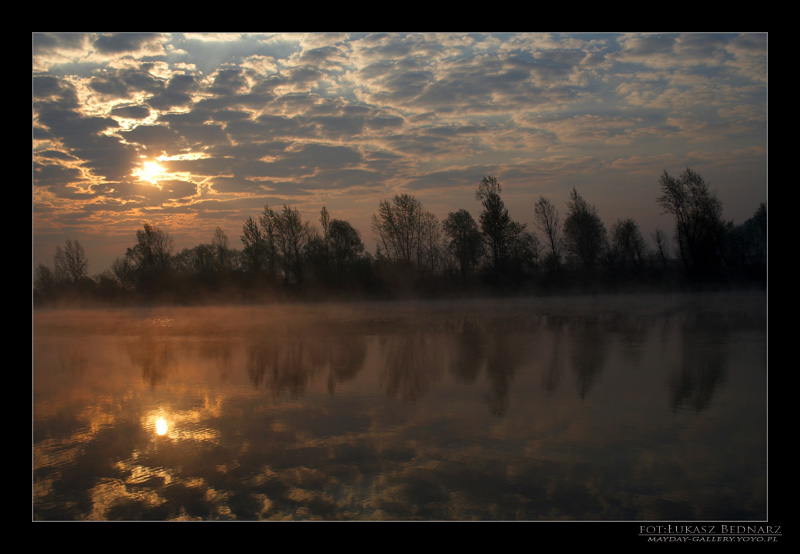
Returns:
(606, 408)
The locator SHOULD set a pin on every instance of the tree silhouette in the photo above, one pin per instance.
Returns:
(151, 256)
(345, 245)
(465, 241)
(548, 221)
(628, 249)
(70, 263)
(584, 233)
(254, 252)
(495, 221)
(699, 228)
(405, 232)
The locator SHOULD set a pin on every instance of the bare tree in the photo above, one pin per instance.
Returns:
(661, 240)
(397, 228)
(70, 264)
(548, 222)
(290, 235)
(123, 271)
(223, 255)
(254, 252)
(267, 221)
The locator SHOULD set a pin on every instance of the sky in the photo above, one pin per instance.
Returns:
(190, 132)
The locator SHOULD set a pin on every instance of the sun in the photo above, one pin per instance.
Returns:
(151, 172)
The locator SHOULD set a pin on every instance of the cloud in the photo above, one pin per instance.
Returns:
(126, 42)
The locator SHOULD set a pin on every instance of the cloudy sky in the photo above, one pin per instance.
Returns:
(196, 131)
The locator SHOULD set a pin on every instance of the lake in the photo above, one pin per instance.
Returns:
(607, 408)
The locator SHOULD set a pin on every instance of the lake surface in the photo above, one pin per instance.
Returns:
(588, 408)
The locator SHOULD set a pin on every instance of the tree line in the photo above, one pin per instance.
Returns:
(283, 256)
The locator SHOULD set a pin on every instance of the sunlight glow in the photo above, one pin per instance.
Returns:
(150, 171)
(161, 426)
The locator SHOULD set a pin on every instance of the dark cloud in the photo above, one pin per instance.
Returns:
(384, 122)
(50, 93)
(177, 93)
(228, 81)
(340, 125)
(449, 178)
(156, 138)
(55, 155)
(319, 55)
(131, 112)
(43, 43)
(236, 185)
(124, 42)
(126, 83)
(55, 178)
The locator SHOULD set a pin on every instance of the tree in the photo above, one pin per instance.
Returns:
(345, 245)
(523, 252)
(223, 255)
(123, 271)
(628, 249)
(548, 221)
(43, 279)
(429, 251)
(584, 233)
(151, 256)
(70, 264)
(254, 252)
(465, 241)
(267, 221)
(746, 244)
(290, 235)
(699, 228)
(496, 225)
(661, 240)
(398, 228)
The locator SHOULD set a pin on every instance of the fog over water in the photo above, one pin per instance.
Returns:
(600, 408)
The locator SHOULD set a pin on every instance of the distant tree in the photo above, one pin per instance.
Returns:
(223, 255)
(324, 220)
(43, 279)
(70, 263)
(429, 252)
(254, 251)
(269, 233)
(498, 229)
(584, 234)
(464, 240)
(548, 221)
(524, 252)
(345, 245)
(151, 256)
(699, 228)
(290, 236)
(198, 261)
(399, 228)
(124, 273)
(661, 241)
(746, 245)
(628, 248)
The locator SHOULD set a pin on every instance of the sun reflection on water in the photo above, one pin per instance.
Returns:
(161, 426)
